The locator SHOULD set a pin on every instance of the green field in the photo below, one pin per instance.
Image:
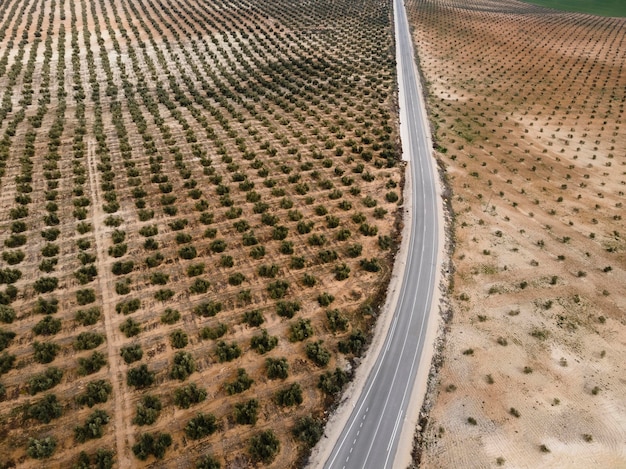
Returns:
(595, 7)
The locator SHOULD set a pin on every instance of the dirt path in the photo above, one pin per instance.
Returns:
(123, 433)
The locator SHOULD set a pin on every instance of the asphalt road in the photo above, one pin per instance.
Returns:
(370, 436)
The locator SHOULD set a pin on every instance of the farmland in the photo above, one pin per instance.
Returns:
(199, 211)
(528, 115)
(604, 8)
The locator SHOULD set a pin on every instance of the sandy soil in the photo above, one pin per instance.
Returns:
(528, 111)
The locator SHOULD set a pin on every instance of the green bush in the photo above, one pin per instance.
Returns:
(277, 368)
(13, 257)
(47, 326)
(269, 271)
(263, 343)
(41, 285)
(286, 247)
(308, 430)
(140, 377)
(317, 353)
(147, 410)
(92, 428)
(264, 447)
(130, 327)
(46, 306)
(41, 448)
(189, 395)
(325, 299)
(354, 344)
(128, 307)
(179, 339)
(246, 413)
(131, 353)
(195, 269)
(327, 256)
(200, 426)
(45, 352)
(102, 459)
(88, 340)
(241, 383)
(187, 252)
(213, 333)
(341, 271)
(287, 309)
(227, 352)
(84, 297)
(183, 366)
(331, 382)
(354, 250)
(44, 381)
(87, 317)
(208, 462)
(45, 409)
(5, 338)
(208, 309)
(290, 396)
(253, 318)
(92, 364)
(170, 316)
(86, 274)
(7, 314)
(336, 321)
(6, 362)
(300, 330)
(370, 265)
(118, 250)
(97, 392)
(277, 289)
(152, 444)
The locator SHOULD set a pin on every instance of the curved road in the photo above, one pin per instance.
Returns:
(370, 436)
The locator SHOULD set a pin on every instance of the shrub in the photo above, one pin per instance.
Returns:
(200, 426)
(354, 344)
(227, 352)
(297, 262)
(41, 448)
(7, 314)
(130, 327)
(286, 247)
(264, 447)
(86, 296)
(45, 380)
(336, 321)
(155, 260)
(45, 352)
(253, 318)
(208, 462)
(217, 246)
(5, 338)
(140, 377)
(13, 257)
(45, 410)
(131, 353)
(241, 383)
(213, 333)
(152, 444)
(269, 271)
(308, 430)
(277, 289)
(122, 267)
(325, 299)
(97, 392)
(179, 339)
(128, 307)
(277, 368)
(102, 459)
(257, 252)
(246, 412)
(354, 250)
(159, 278)
(385, 242)
(287, 309)
(92, 364)
(341, 271)
(93, 426)
(147, 410)
(183, 366)
(187, 252)
(46, 306)
(87, 317)
(263, 343)
(300, 330)
(47, 326)
(370, 265)
(236, 279)
(332, 382)
(42, 285)
(327, 256)
(317, 353)
(195, 269)
(207, 309)
(290, 396)
(164, 294)
(186, 396)
(199, 286)
(280, 232)
(6, 362)
(118, 250)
